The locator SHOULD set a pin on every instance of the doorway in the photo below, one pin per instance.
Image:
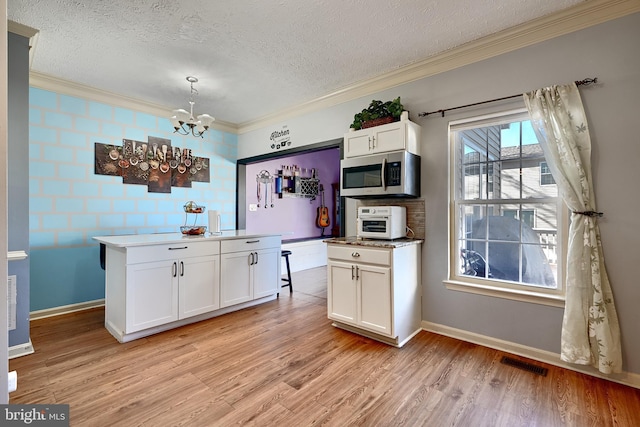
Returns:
(261, 206)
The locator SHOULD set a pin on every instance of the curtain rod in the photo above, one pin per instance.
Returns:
(584, 82)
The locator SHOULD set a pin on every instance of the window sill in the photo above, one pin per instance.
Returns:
(553, 300)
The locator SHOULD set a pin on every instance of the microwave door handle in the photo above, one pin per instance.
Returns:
(384, 167)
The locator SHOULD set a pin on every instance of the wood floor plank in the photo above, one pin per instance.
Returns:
(282, 363)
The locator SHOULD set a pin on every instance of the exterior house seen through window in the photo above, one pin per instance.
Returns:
(506, 213)
(545, 175)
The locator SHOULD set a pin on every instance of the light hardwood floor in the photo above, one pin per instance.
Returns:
(283, 364)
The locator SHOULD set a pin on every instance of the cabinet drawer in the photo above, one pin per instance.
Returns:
(249, 244)
(352, 253)
(138, 254)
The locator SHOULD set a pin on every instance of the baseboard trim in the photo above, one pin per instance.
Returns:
(21, 350)
(65, 309)
(123, 338)
(626, 378)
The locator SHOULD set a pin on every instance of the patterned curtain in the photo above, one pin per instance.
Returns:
(590, 329)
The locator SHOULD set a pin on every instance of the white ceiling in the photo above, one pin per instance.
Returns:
(253, 57)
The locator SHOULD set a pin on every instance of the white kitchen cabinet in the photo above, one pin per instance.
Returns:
(375, 291)
(199, 286)
(184, 284)
(164, 291)
(249, 269)
(360, 295)
(401, 135)
(236, 272)
(151, 296)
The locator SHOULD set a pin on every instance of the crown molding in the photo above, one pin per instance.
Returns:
(583, 15)
(66, 87)
(20, 29)
(28, 32)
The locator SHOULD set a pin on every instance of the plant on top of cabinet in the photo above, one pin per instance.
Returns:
(378, 113)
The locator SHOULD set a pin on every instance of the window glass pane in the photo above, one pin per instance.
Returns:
(532, 180)
(472, 182)
(504, 261)
(549, 245)
(508, 177)
(500, 165)
(536, 268)
(471, 263)
(493, 180)
(544, 215)
(543, 232)
(528, 135)
(469, 216)
(473, 152)
(504, 228)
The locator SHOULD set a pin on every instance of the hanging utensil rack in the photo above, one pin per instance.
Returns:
(264, 177)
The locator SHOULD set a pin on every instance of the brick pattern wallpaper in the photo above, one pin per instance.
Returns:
(69, 203)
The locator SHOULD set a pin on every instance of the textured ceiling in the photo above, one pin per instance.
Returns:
(252, 57)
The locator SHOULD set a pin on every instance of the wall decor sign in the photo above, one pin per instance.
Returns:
(154, 163)
(280, 138)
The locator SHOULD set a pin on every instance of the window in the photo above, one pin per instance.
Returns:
(545, 175)
(506, 222)
(527, 216)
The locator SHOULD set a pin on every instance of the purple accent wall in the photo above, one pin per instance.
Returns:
(294, 217)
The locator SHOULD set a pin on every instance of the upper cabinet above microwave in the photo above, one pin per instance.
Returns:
(402, 135)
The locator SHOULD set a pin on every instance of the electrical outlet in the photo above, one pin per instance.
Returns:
(253, 207)
(13, 381)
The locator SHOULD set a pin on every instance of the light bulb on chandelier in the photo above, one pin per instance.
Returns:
(183, 121)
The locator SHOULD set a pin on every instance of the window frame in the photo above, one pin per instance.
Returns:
(495, 287)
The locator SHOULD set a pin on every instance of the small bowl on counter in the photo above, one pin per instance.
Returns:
(193, 230)
(192, 207)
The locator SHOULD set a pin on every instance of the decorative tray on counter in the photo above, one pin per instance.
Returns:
(192, 207)
(193, 230)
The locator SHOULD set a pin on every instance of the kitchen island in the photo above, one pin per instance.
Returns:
(156, 282)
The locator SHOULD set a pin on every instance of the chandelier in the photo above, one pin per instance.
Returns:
(183, 121)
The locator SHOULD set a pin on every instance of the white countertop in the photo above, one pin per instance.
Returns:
(128, 240)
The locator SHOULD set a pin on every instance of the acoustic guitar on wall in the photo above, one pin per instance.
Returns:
(322, 218)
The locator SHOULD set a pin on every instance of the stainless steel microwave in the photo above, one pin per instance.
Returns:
(393, 174)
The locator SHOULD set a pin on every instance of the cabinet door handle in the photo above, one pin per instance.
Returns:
(383, 172)
(253, 241)
(369, 143)
(352, 274)
(257, 259)
(373, 139)
(357, 272)
(174, 268)
(355, 255)
(251, 258)
(181, 268)
(177, 249)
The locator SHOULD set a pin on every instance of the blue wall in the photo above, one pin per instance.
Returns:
(69, 203)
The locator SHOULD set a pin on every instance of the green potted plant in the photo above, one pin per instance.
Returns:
(378, 113)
